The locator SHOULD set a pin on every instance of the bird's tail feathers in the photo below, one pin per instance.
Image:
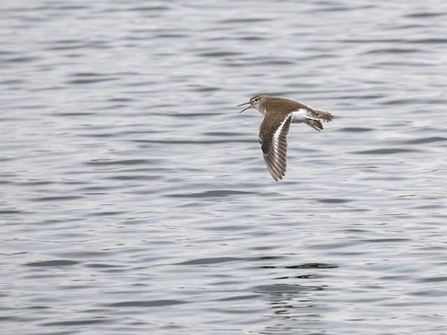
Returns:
(316, 116)
(313, 123)
(322, 115)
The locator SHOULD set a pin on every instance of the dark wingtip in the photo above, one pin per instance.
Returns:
(315, 124)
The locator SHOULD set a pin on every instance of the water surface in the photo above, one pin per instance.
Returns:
(134, 197)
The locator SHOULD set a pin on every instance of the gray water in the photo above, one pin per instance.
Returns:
(134, 198)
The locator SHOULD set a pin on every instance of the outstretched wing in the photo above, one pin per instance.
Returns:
(274, 147)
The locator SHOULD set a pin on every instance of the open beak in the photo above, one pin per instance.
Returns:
(246, 103)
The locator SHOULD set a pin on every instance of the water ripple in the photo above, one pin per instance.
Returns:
(134, 198)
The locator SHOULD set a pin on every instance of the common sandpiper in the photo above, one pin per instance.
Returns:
(279, 113)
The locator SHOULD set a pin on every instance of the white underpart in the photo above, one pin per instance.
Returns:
(301, 115)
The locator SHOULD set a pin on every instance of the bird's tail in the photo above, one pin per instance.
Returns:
(315, 117)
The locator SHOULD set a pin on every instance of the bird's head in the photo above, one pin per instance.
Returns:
(254, 102)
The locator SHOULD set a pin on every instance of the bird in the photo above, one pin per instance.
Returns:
(279, 113)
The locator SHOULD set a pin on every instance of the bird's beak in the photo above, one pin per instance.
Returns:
(246, 103)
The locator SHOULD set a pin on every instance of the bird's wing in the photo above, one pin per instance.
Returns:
(274, 148)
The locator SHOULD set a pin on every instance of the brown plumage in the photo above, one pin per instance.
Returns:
(278, 114)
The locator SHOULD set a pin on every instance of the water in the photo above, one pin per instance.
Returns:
(134, 198)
